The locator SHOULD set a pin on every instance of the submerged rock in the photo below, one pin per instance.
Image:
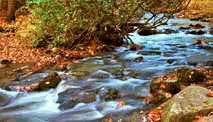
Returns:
(200, 43)
(184, 28)
(71, 97)
(169, 31)
(184, 106)
(4, 99)
(196, 26)
(100, 74)
(135, 47)
(138, 59)
(107, 94)
(150, 52)
(46, 83)
(196, 32)
(211, 30)
(200, 59)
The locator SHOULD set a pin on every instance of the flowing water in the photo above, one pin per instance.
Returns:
(82, 94)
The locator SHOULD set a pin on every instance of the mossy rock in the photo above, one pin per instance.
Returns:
(184, 106)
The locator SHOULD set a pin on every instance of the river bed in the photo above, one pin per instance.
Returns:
(125, 73)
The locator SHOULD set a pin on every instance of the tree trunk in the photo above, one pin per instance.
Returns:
(11, 9)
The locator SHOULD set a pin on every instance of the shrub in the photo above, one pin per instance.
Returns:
(70, 23)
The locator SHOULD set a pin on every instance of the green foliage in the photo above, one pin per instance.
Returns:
(72, 22)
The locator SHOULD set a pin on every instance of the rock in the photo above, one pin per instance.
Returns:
(196, 32)
(169, 31)
(138, 59)
(200, 43)
(208, 63)
(171, 61)
(200, 59)
(184, 28)
(46, 83)
(4, 99)
(51, 81)
(147, 31)
(186, 76)
(167, 83)
(184, 106)
(107, 94)
(135, 47)
(196, 26)
(71, 97)
(211, 30)
(149, 52)
(100, 74)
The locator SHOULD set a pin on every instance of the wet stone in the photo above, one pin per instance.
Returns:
(71, 97)
(166, 83)
(138, 59)
(184, 28)
(196, 26)
(150, 52)
(107, 94)
(169, 31)
(135, 47)
(171, 61)
(200, 59)
(4, 99)
(100, 74)
(211, 30)
(50, 81)
(147, 31)
(196, 32)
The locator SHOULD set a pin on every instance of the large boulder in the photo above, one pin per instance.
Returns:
(184, 106)
(165, 86)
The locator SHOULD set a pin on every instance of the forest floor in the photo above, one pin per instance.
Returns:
(21, 52)
(199, 10)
